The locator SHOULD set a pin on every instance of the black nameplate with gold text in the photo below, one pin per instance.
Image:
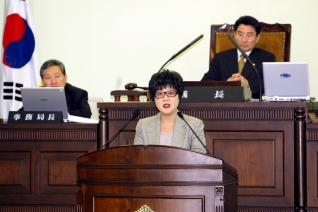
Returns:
(35, 117)
(215, 94)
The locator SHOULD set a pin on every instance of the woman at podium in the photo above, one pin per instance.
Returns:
(169, 127)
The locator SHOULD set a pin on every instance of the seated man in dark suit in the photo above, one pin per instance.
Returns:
(225, 65)
(53, 75)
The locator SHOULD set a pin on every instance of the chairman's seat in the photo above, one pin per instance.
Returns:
(275, 38)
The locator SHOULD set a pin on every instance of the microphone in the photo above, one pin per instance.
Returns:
(182, 50)
(134, 115)
(249, 60)
(181, 116)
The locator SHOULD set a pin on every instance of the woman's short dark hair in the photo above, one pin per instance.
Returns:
(52, 62)
(248, 20)
(163, 79)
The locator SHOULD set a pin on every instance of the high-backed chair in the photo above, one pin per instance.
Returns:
(275, 38)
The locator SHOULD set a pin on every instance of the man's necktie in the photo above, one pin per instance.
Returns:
(241, 63)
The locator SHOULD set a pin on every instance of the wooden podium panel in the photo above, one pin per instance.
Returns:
(263, 141)
(312, 165)
(157, 202)
(164, 178)
(38, 165)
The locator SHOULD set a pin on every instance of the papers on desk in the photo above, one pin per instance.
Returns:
(253, 100)
(81, 120)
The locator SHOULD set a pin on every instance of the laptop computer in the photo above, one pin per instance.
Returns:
(44, 99)
(286, 81)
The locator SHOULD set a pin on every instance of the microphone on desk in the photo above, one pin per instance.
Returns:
(249, 60)
(182, 50)
(181, 116)
(134, 115)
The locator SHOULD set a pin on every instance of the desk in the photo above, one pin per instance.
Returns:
(265, 142)
(38, 165)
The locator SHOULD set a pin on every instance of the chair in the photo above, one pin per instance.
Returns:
(275, 38)
(92, 101)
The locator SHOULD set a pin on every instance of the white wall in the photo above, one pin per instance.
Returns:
(106, 44)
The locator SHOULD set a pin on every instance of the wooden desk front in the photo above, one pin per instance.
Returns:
(38, 165)
(264, 141)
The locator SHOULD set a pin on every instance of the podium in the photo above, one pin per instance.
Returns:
(154, 178)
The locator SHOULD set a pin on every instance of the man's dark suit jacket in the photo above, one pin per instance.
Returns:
(225, 63)
(76, 100)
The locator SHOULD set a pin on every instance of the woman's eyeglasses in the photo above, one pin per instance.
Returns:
(160, 95)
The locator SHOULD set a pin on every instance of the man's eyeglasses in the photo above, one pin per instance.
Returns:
(160, 95)
(248, 36)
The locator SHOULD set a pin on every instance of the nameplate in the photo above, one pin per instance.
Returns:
(35, 117)
(216, 94)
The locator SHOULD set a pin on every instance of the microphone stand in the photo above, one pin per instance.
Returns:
(181, 116)
(182, 50)
(249, 60)
(134, 115)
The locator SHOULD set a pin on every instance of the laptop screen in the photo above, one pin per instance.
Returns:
(286, 81)
(44, 99)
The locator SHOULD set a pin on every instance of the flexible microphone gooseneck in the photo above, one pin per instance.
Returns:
(181, 116)
(249, 60)
(182, 50)
(134, 115)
